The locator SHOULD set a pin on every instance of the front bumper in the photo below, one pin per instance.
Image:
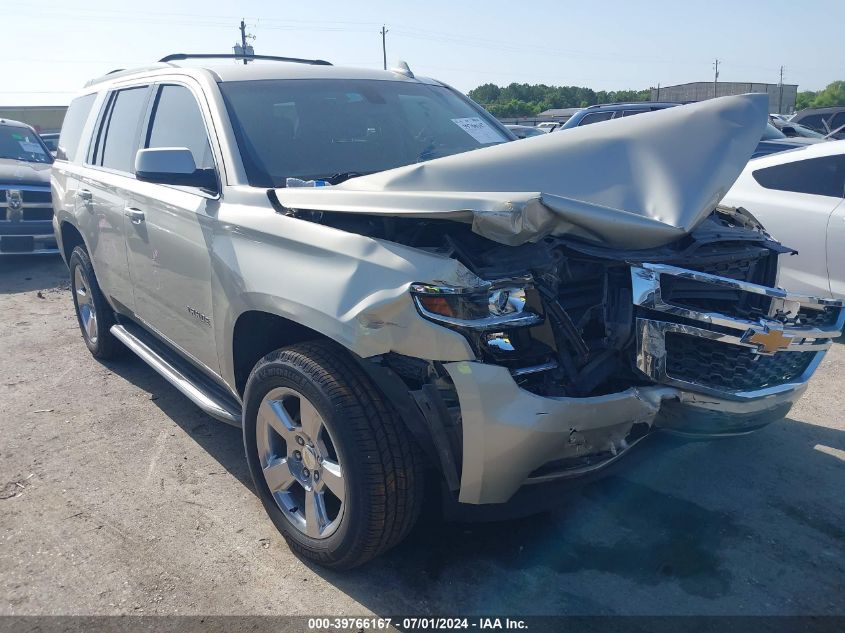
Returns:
(512, 437)
(28, 245)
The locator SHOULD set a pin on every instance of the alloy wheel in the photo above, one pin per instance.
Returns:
(300, 464)
(85, 304)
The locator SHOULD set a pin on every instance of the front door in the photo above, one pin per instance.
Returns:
(169, 234)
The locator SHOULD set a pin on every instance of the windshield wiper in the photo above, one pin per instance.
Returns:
(343, 176)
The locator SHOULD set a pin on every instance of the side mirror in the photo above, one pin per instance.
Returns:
(172, 166)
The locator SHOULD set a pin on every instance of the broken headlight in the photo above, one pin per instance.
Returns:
(493, 305)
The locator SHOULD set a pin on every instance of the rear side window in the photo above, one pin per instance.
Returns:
(813, 121)
(75, 117)
(595, 117)
(177, 122)
(633, 112)
(823, 176)
(118, 140)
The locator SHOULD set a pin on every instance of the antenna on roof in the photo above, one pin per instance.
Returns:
(402, 69)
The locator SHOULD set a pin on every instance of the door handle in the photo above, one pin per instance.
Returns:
(136, 216)
(87, 198)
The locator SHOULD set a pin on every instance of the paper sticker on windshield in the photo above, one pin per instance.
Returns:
(479, 129)
(32, 148)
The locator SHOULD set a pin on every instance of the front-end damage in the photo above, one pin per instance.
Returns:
(594, 317)
(608, 346)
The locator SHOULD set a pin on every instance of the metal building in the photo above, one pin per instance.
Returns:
(781, 97)
(42, 118)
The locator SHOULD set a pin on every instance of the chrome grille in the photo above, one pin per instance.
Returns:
(725, 336)
(729, 367)
(27, 204)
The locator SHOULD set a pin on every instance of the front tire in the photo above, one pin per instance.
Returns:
(93, 313)
(336, 470)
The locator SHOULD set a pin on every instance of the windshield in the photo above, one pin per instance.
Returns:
(772, 133)
(532, 131)
(315, 128)
(804, 131)
(20, 143)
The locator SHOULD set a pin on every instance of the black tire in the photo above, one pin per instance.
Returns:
(104, 345)
(382, 467)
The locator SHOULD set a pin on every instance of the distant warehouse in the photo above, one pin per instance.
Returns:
(42, 118)
(781, 98)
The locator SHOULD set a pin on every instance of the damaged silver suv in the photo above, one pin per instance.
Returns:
(361, 270)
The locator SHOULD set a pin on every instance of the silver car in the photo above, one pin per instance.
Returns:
(360, 269)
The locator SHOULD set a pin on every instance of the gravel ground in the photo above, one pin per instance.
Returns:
(118, 496)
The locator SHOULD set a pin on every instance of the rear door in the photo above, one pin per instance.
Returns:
(104, 189)
(69, 153)
(796, 205)
(170, 231)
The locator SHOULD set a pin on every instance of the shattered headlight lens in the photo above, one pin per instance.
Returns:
(492, 305)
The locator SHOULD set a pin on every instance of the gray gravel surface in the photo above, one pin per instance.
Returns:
(118, 496)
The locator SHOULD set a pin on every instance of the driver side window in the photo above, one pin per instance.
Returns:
(177, 122)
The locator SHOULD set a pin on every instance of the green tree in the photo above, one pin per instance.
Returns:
(832, 95)
(804, 99)
(515, 100)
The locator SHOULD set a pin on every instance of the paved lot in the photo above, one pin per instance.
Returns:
(118, 496)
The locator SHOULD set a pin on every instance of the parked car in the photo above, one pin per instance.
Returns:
(524, 131)
(774, 140)
(607, 111)
(791, 130)
(437, 303)
(548, 126)
(26, 211)
(823, 120)
(798, 197)
(51, 140)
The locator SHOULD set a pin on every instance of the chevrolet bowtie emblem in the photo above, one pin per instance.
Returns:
(768, 342)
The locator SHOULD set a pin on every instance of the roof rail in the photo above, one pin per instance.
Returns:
(634, 103)
(181, 56)
(118, 72)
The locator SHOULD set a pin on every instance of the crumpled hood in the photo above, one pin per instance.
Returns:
(636, 182)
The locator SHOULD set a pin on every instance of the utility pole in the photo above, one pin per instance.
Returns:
(780, 97)
(658, 91)
(384, 32)
(243, 38)
(715, 77)
(243, 50)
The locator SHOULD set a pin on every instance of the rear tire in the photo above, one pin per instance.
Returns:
(93, 313)
(310, 409)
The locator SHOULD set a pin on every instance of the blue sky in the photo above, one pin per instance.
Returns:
(49, 48)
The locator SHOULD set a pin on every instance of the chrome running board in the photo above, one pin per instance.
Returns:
(210, 403)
